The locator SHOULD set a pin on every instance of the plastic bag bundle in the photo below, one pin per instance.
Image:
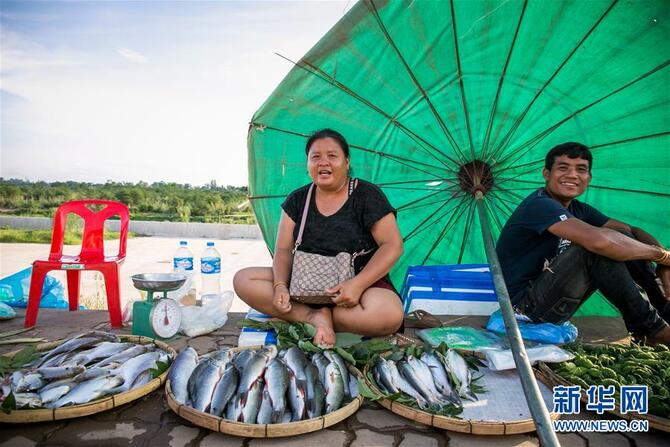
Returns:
(539, 332)
(502, 359)
(6, 312)
(199, 320)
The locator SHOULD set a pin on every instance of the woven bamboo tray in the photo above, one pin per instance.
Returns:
(550, 377)
(96, 406)
(241, 429)
(475, 427)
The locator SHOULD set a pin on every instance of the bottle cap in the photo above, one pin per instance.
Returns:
(210, 244)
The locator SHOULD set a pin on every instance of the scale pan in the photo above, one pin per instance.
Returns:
(158, 282)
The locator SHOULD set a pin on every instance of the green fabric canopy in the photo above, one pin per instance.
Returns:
(421, 89)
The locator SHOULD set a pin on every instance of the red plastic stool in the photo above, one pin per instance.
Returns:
(91, 257)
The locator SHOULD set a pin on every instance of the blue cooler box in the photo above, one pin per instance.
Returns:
(253, 337)
(460, 289)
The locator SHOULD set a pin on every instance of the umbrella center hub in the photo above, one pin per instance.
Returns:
(475, 176)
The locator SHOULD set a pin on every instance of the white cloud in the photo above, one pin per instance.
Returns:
(133, 56)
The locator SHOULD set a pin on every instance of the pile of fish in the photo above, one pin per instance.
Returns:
(433, 380)
(81, 369)
(262, 386)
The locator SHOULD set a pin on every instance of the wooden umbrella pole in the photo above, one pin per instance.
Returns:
(538, 410)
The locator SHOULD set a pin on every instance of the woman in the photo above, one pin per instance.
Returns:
(344, 215)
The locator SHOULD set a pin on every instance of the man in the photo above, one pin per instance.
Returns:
(555, 251)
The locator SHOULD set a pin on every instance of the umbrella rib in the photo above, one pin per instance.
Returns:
(418, 228)
(452, 221)
(504, 202)
(316, 71)
(592, 147)
(401, 160)
(427, 196)
(466, 231)
(516, 124)
(530, 144)
(610, 188)
(404, 182)
(460, 80)
(276, 196)
(411, 74)
(494, 109)
(490, 207)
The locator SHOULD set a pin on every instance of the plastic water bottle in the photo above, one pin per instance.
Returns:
(182, 261)
(210, 267)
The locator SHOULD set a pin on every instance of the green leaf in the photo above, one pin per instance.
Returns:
(160, 368)
(310, 330)
(8, 404)
(293, 332)
(365, 391)
(308, 346)
(396, 356)
(345, 355)
(23, 356)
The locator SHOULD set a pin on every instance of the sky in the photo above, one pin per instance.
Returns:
(145, 90)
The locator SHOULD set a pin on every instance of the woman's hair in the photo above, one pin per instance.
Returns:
(328, 133)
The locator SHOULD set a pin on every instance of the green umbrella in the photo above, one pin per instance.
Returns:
(433, 95)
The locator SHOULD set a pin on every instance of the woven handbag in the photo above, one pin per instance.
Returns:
(312, 274)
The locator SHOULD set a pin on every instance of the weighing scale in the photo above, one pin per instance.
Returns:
(160, 318)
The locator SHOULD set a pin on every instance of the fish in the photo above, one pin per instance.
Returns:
(424, 374)
(334, 386)
(56, 390)
(353, 386)
(223, 355)
(269, 351)
(30, 400)
(92, 373)
(241, 359)
(440, 378)
(383, 377)
(404, 386)
(417, 378)
(87, 391)
(296, 397)
(321, 362)
(80, 341)
(127, 354)
(253, 370)
(315, 394)
(133, 368)
(103, 350)
(234, 409)
(57, 360)
(341, 364)
(60, 372)
(181, 371)
(296, 361)
(142, 380)
(251, 403)
(276, 382)
(224, 390)
(265, 412)
(205, 382)
(286, 417)
(30, 382)
(460, 374)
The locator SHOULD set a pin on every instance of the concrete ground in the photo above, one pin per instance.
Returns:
(144, 255)
(149, 421)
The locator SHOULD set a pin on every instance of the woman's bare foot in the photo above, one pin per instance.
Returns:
(322, 320)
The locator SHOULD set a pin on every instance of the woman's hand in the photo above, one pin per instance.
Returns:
(348, 293)
(281, 300)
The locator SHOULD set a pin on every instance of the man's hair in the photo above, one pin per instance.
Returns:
(572, 150)
(328, 133)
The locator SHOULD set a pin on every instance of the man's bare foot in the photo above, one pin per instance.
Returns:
(663, 336)
(322, 320)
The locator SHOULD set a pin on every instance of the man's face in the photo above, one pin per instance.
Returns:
(567, 179)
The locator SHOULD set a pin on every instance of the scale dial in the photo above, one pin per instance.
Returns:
(165, 318)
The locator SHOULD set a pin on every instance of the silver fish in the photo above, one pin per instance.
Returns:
(92, 373)
(440, 377)
(58, 390)
(404, 386)
(80, 341)
(142, 380)
(423, 373)
(296, 397)
(418, 381)
(353, 386)
(133, 368)
(269, 351)
(321, 362)
(103, 350)
(30, 382)
(242, 358)
(460, 374)
(57, 360)
(60, 372)
(224, 390)
(286, 417)
(87, 391)
(339, 361)
(30, 400)
(223, 355)
(383, 376)
(277, 378)
(334, 386)
(253, 370)
(181, 371)
(251, 403)
(206, 381)
(234, 409)
(315, 393)
(126, 354)
(265, 412)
